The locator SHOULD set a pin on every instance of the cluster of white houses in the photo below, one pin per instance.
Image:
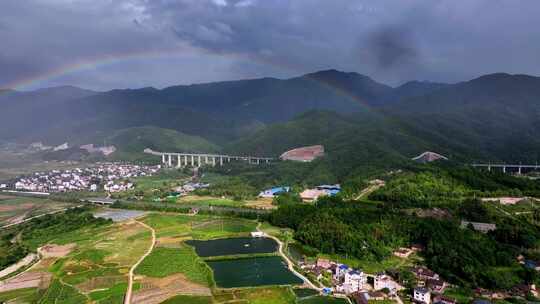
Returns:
(111, 177)
(364, 287)
(350, 281)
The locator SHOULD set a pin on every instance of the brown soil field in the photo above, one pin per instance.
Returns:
(100, 283)
(263, 203)
(157, 290)
(170, 242)
(27, 280)
(7, 208)
(55, 251)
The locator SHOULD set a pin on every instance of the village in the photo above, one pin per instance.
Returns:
(428, 287)
(108, 177)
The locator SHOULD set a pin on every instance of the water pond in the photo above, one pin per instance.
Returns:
(233, 246)
(118, 215)
(252, 272)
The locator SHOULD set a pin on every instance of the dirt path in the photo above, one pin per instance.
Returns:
(127, 298)
(290, 264)
(369, 189)
(30, 258)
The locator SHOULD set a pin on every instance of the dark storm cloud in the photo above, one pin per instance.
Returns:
(207, 40)
(392, 46)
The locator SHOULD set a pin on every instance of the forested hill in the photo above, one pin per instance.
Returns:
(497, 115)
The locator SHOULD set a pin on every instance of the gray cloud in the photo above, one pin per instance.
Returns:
(105, 44)
(392, 46)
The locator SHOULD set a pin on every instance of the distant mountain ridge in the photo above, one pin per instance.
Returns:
(495, 116)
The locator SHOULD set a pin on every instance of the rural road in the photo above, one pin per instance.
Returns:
(368, 190)
(290, 264)
(127, 298)
(33, 217)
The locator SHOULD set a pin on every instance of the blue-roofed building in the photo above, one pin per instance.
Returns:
(274, 191)
(340, 271)
(330, 190)
(532, 265)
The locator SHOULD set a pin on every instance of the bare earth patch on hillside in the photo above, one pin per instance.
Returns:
(27, 280)
(55, 251)
(157, 290)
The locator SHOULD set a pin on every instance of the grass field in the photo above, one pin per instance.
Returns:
(181, 299)
(61, 293)
(199, 227)
(25, 295)
(264, 295)
(97, 267)
(208, 201)
(163, 262)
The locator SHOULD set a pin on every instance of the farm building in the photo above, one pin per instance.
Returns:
(274, 191)
(310, 195)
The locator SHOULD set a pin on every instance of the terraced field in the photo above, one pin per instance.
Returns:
(94, 267)
(91, 265)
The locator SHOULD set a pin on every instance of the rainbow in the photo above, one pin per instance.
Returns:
(92, 63)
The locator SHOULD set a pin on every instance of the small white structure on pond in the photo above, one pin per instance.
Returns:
(257, 234)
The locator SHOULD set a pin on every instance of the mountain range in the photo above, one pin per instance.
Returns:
(495, 117)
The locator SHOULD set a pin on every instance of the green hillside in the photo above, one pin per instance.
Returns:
(354, 144)
(132, 141)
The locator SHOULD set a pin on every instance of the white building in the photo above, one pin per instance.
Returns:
(382, 281)
(422, 294)
(354, 281)
(340, 271)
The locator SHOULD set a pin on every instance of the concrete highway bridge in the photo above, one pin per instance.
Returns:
(508, 167)
(180, 160)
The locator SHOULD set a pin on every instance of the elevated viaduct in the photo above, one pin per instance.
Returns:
(180, 160)
(507, 167)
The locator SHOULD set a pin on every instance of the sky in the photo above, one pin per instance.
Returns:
(107, 44)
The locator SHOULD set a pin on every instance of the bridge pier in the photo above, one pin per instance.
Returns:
(198, 160)
(504, 169)
(519, 170)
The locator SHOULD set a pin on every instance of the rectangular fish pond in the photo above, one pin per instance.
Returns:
(233, 246)
(258, 271)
